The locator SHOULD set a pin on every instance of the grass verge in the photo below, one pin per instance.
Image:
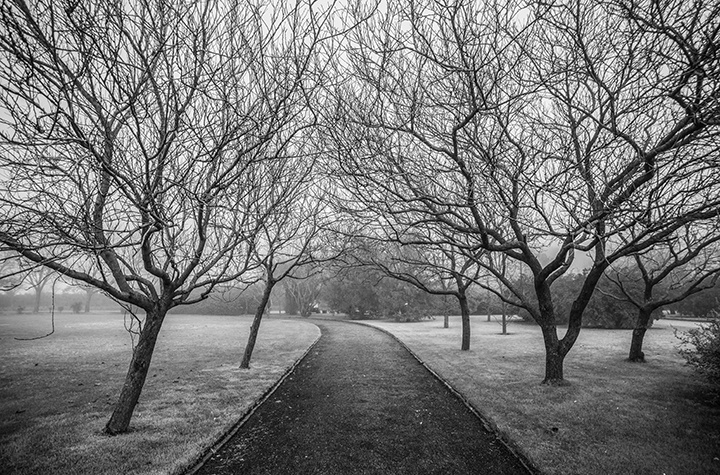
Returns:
(616, 417)
(57, 393)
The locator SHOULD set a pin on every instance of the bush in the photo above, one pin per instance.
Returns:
(76, 307)
(414, 315)
(701, 349)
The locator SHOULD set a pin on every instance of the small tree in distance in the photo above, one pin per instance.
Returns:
(438, 269)
(303, 289)
(36, 276)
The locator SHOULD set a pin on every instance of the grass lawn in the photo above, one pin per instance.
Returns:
(616, 417)
(57, 393)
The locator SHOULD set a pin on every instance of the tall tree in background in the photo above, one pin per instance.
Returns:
(535, 132)
(131, 134)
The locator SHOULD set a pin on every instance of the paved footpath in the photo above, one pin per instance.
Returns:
(359, 403)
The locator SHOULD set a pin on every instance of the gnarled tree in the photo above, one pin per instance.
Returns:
(131, 137)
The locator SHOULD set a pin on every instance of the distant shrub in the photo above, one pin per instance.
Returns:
(76, 307)
(701, 349)
(410, 316)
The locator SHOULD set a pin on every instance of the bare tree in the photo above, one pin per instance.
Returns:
(292, 237)
(88, 290)
(35, 279)
(499, 265)
(538, 133)
(304, 287)
(672, 270)
(132, 137)
(437, 269)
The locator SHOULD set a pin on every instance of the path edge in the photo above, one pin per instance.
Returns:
(198, 462)
(487, 422)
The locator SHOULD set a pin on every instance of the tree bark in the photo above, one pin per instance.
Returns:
(554, 357)
(638, 335)
(465, 317)
(255, 327)
(135, 379)
(504, 319)
(446, 317)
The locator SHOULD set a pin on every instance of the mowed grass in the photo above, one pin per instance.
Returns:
(57, 393)
(616, 417)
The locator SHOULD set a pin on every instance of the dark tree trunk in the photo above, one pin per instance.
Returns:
(555, 349)
(638, 335)
(465, 317)
(268, 303)
(504, 319)
(135, 379)
(255, 327)
(554, 357)
(446, 317)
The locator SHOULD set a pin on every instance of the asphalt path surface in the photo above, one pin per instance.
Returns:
(359, 403)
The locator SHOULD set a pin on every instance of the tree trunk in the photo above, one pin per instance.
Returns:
(135, 379)
(255, 327)
(465, 317)
(446, 317)
(504, 319)
(38, 296)
(554, 357)
(638, 335)
(88, 297)
(267, 306)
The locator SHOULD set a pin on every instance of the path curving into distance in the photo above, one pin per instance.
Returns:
(359, 403)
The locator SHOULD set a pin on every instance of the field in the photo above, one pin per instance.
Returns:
(616, 417)
(56, 393)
